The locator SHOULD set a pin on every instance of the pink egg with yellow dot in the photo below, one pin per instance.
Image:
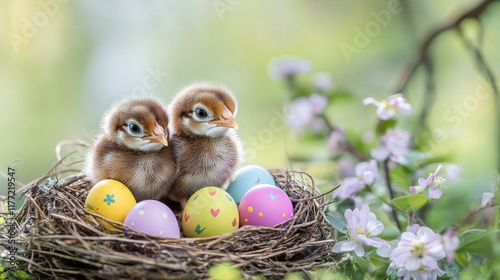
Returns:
(153, 218)
(265, 205)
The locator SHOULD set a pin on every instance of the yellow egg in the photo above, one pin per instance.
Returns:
(210, 211)
(111, 199)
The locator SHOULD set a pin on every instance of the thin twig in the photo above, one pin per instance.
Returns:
(349, 147)
(424, 49)
(428, 97)
(391, 193)
(467, 220)
(487, 72)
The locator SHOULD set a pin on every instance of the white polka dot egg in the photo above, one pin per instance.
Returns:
(153, 218)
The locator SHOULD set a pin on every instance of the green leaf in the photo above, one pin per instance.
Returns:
(339, 96)
(414, 159)
(410, 203)
(293, 276)
(401, 176)
(316, 138)
(224, 271)
(472, 237)
(463, 258)
(453, 270)
(362, 266)
(337, 222)
(383, 125)
(437, 159)
(476, 241)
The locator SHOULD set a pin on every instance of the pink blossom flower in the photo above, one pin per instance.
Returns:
(299, 112)
(422, 274)
(387, 109)
(336, 141)
(317, 125)
(367, 171)
(418, 250)
(413, 228)
(286, 66)
(302, 111)
(323, 81)
(450, 244)
(349, 187)
(432, 183)
(346, 166)
(362, 227)
(366, 174)
(318, 103)
(394, 144)
(487, 199)
(453, 172)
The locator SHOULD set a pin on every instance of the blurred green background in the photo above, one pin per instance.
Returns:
(62, 63)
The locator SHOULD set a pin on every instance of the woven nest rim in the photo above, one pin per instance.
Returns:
(55, 239)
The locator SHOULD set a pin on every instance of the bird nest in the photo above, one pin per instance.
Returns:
(58, 238)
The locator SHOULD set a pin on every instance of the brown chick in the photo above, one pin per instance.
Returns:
(203, 135)
(133, 149)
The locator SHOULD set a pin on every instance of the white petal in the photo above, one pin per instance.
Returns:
(375, 228)
(368, 177)
(429, 262)
(413, 228)
(344, 246)
(384, 251)
(371, 100)
(487, 197)
(360, 251)
(413, 263)
(380, 153)
(437, 169)
(385, 113)
(435, 192)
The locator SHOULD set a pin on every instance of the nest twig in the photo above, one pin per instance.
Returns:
(59, 238)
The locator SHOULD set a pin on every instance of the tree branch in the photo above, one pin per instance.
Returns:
(473, 13)
(350, 147)
(391, 192)
(424, 59)
(486, 70)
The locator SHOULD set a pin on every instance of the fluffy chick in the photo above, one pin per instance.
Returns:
(203, 135)
(133, 149)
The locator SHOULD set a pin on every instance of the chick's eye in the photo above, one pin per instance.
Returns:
(201, 113)
(134, 128)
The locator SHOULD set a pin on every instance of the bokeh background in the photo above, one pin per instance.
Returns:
(62, 63)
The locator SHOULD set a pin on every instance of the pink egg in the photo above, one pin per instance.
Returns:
(265, 205)
(153, 218)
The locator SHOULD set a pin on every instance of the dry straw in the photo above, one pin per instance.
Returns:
(58, 238)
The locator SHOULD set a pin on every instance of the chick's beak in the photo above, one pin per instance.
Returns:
(226, 119)
(159, 135)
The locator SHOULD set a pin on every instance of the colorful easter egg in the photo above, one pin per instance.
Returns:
(154, 218)
(246, 178)
(210, 211)
(111, 199)
(265, 205)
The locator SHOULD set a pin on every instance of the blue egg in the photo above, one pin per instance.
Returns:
(246, 178)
